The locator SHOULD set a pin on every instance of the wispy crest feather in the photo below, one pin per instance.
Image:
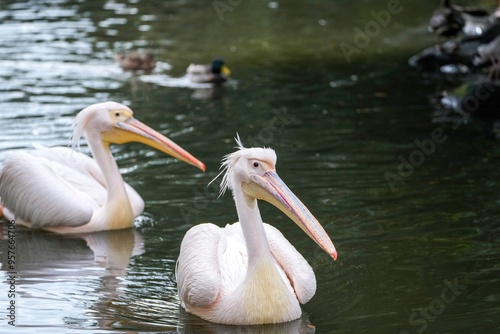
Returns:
(231, 160)
(78, 126)
(225, 168)
(76, 135)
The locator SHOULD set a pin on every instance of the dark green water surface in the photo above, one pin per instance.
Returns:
(419, 246)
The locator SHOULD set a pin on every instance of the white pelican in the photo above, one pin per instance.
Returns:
(248, 273)
(64, 191)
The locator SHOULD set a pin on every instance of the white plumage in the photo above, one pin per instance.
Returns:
(248, 273)
(65, 191)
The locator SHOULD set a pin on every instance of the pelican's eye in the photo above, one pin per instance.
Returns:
(256, 164)
(117, 114)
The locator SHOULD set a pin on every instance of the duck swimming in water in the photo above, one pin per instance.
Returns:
(217, 72)
(136, 61)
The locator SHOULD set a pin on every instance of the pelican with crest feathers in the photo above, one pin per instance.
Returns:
(247, 273)
(64, 191)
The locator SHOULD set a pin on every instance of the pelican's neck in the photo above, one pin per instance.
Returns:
(117, 211)
(263, 295)
(253, 229)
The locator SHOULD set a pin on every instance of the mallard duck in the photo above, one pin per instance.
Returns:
(216, 73)
(136, 61)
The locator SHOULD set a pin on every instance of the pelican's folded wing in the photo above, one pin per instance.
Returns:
(46, 192)
(293, 263)
(83, 164)
(197, 270)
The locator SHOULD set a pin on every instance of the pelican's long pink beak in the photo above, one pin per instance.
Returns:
(133, 130)
(272, 189)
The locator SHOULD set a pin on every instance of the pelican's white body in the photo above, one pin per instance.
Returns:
(62, 190)
(216, 283)
(248, 273)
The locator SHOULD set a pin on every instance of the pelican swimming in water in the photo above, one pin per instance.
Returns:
(247, 273)
(64, 191)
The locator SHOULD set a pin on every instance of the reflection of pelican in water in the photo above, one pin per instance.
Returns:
(67, 281)
(44, 253)
(191, 324)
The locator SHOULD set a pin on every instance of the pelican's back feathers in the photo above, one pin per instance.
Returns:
(51, 187)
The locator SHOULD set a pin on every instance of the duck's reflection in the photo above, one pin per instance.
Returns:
(215, 92)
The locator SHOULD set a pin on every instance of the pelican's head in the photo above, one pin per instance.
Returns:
(114, 123)
(254, 170)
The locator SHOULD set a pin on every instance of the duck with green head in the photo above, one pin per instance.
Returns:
(217, 72)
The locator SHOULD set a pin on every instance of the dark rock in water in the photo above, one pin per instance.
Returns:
(474, 52)
(432, 59)
(449, 20)
(482, 99)
(471, 103)
(472, 99)
(446, 21)
(475, 103)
